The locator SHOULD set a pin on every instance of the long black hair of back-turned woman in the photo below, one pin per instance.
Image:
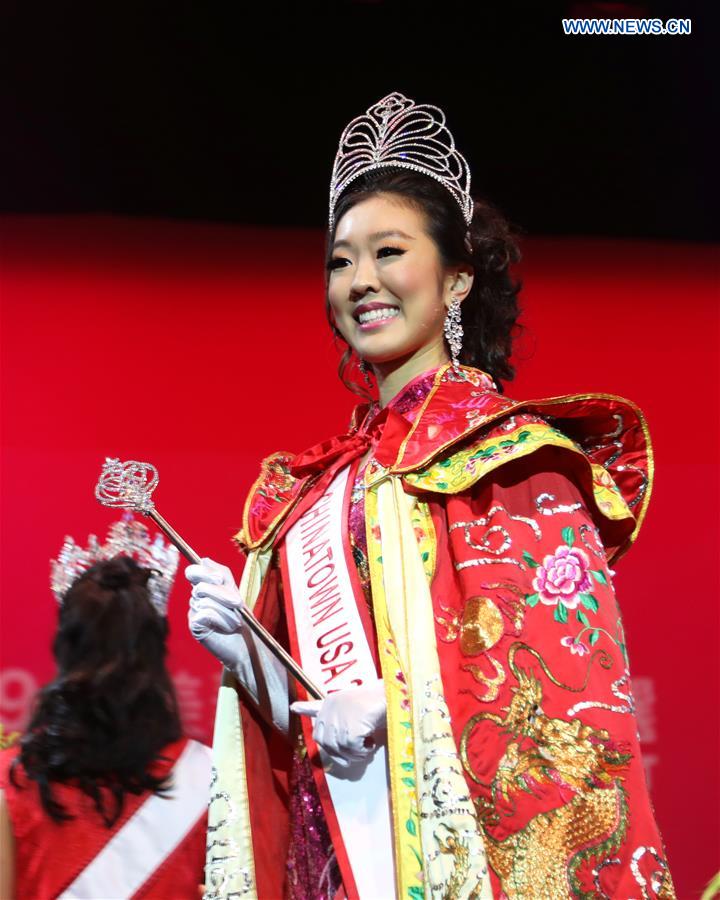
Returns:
(110, 710)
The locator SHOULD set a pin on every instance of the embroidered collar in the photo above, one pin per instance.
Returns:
(447, 400)
(408, 400)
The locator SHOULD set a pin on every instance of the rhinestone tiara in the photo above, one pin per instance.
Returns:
(126, 537)
(400, 134)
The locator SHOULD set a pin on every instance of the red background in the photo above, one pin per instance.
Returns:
(202, 348)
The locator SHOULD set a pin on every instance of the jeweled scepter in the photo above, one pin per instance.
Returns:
(129, 485)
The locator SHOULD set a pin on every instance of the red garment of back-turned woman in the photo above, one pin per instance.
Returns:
(156, 849)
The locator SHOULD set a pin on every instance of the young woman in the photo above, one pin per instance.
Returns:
(104, 797)
(442, 572)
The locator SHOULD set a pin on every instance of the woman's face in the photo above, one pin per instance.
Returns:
(388, 288)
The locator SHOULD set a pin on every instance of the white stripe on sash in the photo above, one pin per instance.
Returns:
(335, 653)
(151, 834)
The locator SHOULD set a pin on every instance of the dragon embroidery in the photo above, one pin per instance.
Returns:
(542, 860)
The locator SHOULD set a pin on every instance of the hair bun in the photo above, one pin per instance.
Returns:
(115, 574)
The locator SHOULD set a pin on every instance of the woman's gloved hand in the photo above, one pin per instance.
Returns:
(348, 725)
(215, 621)
(215, 601)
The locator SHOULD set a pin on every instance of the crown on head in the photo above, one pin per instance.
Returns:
(398, 133)
(125, 538)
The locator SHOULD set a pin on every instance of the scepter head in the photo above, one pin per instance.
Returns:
(127, 485)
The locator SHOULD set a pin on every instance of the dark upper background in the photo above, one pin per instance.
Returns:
(232, 112)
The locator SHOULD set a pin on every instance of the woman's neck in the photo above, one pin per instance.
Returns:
(393, 376)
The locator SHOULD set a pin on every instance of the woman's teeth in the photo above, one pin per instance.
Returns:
(372, 315)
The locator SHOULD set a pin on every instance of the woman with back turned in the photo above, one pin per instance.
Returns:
(104, 797)
(443, 572)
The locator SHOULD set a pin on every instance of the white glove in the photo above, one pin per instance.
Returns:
(215, 601)
(348, 725)
(215, 621)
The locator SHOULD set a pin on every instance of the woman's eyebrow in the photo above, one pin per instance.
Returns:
(377, 236)
(380, 235)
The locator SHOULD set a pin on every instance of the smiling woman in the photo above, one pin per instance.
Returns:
(422, 258)
(389, 300)
(443, 572)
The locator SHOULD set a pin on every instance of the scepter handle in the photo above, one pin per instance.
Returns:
(281, 653)
(257, 629)
(183, 546)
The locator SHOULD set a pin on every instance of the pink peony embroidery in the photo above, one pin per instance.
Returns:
(574, 645)
(563, 576)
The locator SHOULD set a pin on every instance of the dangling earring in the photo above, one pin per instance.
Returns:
(454, 332)
(365, 369)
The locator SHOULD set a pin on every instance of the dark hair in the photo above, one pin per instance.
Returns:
(111, 708)
(490, 311)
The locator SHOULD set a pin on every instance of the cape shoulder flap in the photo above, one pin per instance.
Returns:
(272, 496)
(462, 435)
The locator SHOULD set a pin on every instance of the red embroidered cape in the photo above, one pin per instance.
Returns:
(529, 501)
